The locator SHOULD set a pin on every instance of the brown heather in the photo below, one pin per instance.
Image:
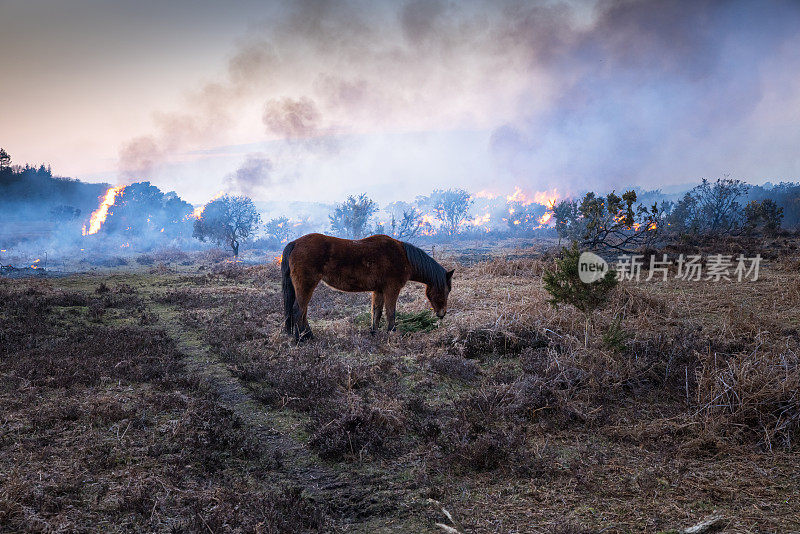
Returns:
(172, 401)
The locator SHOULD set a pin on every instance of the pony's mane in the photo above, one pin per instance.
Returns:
(425, 267)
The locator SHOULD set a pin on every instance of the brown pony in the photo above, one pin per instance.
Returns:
(377, 263)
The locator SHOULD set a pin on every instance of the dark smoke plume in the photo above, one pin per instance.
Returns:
(585, 96)
(253, 174)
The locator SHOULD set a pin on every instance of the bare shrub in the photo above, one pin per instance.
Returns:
(169, 255)
(484, 451)
(161, 268)
(189, 298)
(68, 299)
(571, 528)
(148, 319)
(214, 255)
(214, 433)
(288, 509)
(85, 356)
(359, 428)
(145, 259)
(229, 270)
(305, 382)
(751, 394)
(268, 272)
(125, 289)
(510, 266)
(456, 367)
(97, 310)
(479, 343)
(423, 419)
(482, 434)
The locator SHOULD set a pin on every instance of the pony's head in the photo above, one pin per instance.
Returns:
(437, 295)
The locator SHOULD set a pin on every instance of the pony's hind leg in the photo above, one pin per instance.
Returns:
(301, 330)
(377, 310)
(304, 289)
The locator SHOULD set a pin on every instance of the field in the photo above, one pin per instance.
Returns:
(152, 399)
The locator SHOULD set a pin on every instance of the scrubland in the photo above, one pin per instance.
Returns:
(156, 400)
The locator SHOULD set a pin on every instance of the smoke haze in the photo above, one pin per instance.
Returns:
(398, 99)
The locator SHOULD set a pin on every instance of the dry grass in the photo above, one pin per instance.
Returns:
(103, 429)
(500, 413)
(751, 396)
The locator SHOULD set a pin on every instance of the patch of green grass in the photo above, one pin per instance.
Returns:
(423, 321)
(616, 338)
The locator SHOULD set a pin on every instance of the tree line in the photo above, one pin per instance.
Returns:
(610, 221)
(710, 209)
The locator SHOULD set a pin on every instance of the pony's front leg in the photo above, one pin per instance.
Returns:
(390, 300)
(377, 310)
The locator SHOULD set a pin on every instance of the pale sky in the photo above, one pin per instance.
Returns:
(315, 100)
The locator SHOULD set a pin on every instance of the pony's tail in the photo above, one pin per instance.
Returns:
(289, 296)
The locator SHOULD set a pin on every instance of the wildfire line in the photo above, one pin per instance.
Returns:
(99, 215)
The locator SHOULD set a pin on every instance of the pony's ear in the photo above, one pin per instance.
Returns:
(450, 274)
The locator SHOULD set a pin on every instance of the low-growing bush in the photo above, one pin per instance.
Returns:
(85, 356)
(456, 367)
(145, 259)
(169, 255)
(510, 266)
(483, 449)
(755, 395)
(482, 342)
(285, 510)
(358, 428)
(215, 255)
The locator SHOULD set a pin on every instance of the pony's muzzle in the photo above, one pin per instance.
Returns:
(441, 314)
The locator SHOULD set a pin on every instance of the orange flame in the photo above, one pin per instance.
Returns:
(518, 196)
(620, 219)
(428, 219)
(101, 213)
(519, 199)
(485, 194)
(198, 211)
(478, 220)
(546, 198)
(428, 226)
(545, 219)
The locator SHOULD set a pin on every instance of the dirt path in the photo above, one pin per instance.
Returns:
(360, 499)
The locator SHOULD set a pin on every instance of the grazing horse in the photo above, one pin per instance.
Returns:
(377, 263)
